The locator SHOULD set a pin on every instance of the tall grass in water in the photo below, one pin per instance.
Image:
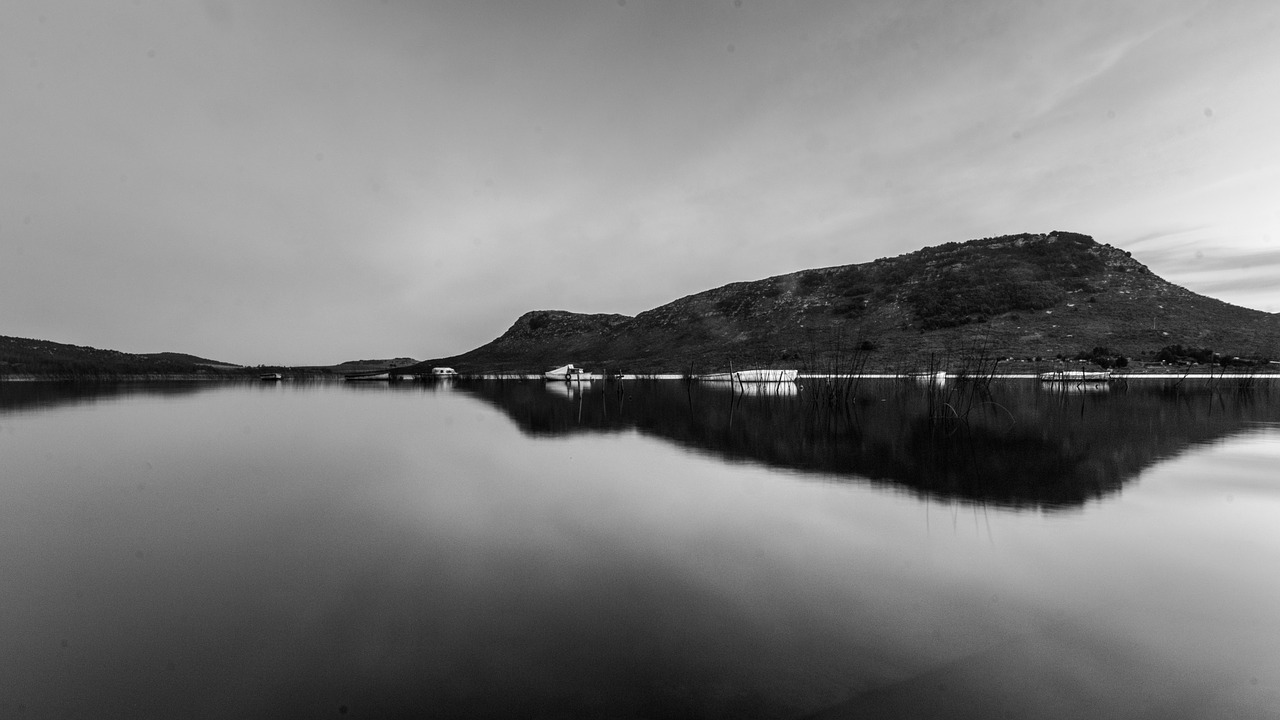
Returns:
(1225, 379)
(953, 396)
(834, 374)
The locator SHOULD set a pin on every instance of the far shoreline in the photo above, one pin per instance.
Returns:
(989, 375)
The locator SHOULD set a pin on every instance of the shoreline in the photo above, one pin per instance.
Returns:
(589, 377)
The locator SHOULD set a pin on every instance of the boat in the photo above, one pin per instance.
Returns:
(567, 373)
(930, 377)
(754, 376)
(442, 372)
(270, 377)
(1076, 376)
(361, 377)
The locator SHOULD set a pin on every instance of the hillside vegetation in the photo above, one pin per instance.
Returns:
(25, 357)
(1016, 297)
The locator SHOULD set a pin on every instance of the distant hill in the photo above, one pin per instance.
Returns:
(184, 358)
(1022, 297)
(362, 366)
(42, 358)
(29, 358)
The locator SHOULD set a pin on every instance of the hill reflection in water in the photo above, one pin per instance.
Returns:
(1015, 444)
(22, 396)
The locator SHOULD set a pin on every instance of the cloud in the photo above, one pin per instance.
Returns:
(412, 177)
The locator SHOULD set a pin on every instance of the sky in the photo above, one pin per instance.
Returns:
(309, 182)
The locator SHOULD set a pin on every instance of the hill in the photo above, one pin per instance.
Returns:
(25, 357)
(364, 366)
(1023, 297)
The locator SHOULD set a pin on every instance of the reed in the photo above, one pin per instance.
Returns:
(953, 397)
(835, 373)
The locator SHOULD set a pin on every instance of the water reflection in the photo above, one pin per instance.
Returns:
(1015, 444)
(30, 396)
(276, 550)
(766, 389)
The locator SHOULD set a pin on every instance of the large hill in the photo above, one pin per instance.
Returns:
(21, 357)
(26, 358)
(1022, 296)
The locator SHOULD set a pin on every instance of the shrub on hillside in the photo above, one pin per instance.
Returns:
(956, 284)
(961, 297)
(1174, 354)
(1104, 357)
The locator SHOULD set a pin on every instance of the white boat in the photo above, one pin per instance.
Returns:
(1076, 376)
(754, 376)
(929, 378)
(361, 377)
(271, 377)
(567, 373)
(440, 372)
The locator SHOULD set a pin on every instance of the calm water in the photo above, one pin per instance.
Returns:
(639, 551)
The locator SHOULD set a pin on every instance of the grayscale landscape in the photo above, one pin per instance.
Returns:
(639, 359)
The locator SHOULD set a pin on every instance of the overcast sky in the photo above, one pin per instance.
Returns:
(312, 182)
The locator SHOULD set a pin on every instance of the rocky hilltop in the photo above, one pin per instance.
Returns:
(1027, 297)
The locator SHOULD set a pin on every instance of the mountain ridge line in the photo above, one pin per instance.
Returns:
(1024, 297)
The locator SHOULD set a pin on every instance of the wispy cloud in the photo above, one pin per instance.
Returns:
(1211, 260)
(452, 165)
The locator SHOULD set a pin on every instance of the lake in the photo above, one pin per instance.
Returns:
(640, 550)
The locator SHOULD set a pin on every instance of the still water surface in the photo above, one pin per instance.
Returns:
(638, 550)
